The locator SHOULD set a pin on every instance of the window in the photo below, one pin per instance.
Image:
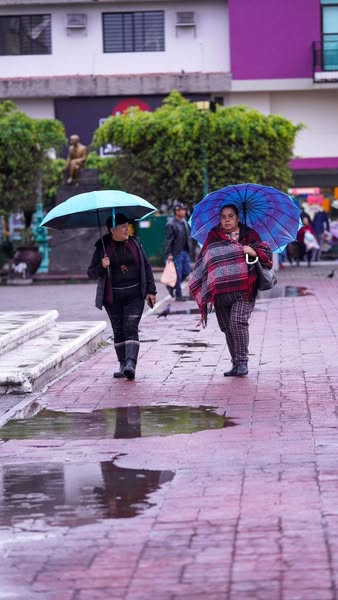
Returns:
(25, 34)
(330, 34)
(133, 31)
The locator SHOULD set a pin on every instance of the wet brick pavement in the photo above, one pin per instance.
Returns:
(252, 511)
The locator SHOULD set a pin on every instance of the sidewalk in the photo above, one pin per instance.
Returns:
(252, 510)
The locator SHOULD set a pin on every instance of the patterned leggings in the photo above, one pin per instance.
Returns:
(233, 314)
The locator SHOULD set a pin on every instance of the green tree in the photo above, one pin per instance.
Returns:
(164, 154)
(24, 145)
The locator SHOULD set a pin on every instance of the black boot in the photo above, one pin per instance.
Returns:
(232, 372)
(132, 350)
(242, 369)
(120, 350)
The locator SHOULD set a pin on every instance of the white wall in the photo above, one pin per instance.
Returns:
(316, 109)
(81, 53)
(36, 108)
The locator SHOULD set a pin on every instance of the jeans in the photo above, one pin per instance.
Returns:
(182, 264)
(125, 313)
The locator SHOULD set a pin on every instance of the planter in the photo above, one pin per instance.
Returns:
(29, 255)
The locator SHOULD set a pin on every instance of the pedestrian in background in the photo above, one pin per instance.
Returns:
(321, 226)
(125, 281)
(178, 247)
(306, 238)
(222, 279)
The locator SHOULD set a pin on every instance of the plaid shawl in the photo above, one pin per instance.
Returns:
(221, 267)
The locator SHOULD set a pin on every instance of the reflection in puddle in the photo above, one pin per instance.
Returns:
(121, 422)
(74, 494)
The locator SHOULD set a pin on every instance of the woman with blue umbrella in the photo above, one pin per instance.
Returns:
(237, 225)
(221, 279)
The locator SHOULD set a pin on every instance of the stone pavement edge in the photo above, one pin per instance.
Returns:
(252, 510)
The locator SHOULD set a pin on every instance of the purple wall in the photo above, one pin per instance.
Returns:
(314, 163)
(272, 39)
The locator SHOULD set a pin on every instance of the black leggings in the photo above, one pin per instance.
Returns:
(125, 313)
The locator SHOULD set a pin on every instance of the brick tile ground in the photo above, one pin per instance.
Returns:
(252, 512)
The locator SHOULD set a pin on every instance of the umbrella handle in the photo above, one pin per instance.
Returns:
(250, 262)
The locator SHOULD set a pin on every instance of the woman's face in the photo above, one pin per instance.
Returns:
(120, 233)
(305, 221)
(229, 220)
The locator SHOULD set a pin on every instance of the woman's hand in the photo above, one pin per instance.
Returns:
(151, 300)
(250, 251)
(105, 262)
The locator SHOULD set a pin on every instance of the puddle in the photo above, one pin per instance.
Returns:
(35, 496)
(194, 344)
(287, 291)
(188, 311)
(121, 422)
(296, 291)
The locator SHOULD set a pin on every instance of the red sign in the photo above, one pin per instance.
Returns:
(304, 191)
(122, 106)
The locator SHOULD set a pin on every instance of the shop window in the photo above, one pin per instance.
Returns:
(133, 31)
(25, 34)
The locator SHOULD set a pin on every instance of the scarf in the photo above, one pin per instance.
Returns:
(222, 269)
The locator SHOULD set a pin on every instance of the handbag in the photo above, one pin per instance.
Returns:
(169, 275)
(266, 278)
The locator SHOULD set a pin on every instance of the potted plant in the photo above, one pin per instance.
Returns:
(27, 251)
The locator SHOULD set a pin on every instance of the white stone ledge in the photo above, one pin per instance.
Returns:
(18, 327)
(41, 358)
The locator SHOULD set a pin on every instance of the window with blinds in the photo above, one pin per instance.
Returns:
(25, 34)
(133, 31)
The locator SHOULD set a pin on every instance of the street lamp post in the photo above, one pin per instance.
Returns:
(40, 233)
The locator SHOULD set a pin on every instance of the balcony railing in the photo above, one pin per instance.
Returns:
(325, 60)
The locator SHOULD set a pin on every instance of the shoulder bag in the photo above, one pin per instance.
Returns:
(266, 278)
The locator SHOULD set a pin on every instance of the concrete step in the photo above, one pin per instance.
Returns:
(18, 327)
(38, 360)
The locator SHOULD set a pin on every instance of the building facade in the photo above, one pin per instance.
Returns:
(81, 61)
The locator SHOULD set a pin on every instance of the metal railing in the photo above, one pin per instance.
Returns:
(325, 60)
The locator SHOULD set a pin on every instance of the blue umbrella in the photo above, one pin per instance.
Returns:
(92, 209)
(272, 213)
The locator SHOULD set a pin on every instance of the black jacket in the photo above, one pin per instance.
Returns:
(96, 271)
(177, 239)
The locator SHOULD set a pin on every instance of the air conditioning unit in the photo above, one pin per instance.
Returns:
(76, 21)
(185, 19)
